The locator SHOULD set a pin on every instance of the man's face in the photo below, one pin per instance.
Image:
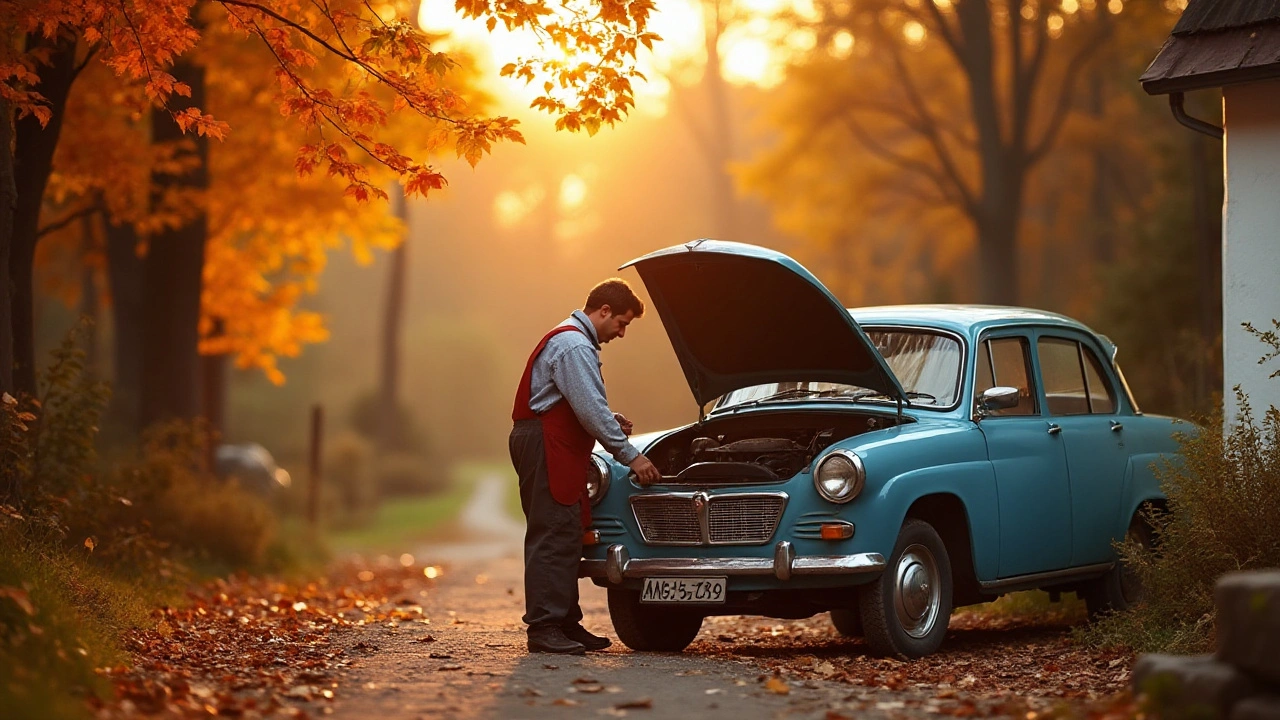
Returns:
(614, 326)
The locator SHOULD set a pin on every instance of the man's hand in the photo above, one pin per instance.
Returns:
(624, 422)
(646, 473)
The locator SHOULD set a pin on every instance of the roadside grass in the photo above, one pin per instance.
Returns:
(60, 618)
(400, 523)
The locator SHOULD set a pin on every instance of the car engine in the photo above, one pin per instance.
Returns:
(729, 452)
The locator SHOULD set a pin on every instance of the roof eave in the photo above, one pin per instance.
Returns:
(1210, 80)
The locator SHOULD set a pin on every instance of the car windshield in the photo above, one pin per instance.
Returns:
(926, 363)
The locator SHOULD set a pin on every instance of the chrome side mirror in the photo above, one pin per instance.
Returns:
(996, 398)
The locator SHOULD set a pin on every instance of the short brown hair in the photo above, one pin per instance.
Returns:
(617, 294)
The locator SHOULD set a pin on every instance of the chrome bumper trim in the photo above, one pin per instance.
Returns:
(784, 564)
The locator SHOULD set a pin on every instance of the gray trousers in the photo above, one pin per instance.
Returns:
(552, 538)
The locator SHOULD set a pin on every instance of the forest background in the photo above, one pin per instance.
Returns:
(870, 139)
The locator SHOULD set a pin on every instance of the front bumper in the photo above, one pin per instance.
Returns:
(618, 565)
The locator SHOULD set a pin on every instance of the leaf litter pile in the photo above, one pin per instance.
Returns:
(990, 665)
(256, 647)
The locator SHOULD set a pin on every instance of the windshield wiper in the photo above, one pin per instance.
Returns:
(864, 394)
(784, 395)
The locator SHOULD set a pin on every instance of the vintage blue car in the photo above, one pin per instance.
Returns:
(884, 464)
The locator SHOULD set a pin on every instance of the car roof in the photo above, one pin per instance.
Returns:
(965, 319)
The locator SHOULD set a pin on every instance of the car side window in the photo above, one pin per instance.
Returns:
(1063, 376)
(1102, 398)
(1006, 362)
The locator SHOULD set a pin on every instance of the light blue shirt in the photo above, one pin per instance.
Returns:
(569, 369)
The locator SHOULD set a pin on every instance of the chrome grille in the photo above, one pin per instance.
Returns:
(704, 519)
(744, 520)
(668, 520)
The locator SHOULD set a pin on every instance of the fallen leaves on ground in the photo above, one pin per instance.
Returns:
(990, 665)
(258, 646)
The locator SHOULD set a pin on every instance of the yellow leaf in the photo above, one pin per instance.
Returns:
(90, 543)
(777, 686)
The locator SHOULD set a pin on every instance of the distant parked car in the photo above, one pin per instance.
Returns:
(252, 466)
(886, 464)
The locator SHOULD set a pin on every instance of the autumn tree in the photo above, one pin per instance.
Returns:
(340, 72)
(936, 114)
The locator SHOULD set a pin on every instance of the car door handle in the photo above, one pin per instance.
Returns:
(1116, 426)
(1054, 428)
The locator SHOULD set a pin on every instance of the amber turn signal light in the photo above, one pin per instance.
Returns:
(837, 531)
(591, 537)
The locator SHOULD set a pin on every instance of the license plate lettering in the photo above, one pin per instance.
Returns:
(702, 591)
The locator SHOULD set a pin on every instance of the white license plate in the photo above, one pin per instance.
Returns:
(693, 590)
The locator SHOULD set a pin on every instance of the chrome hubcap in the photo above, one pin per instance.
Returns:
(917, 591)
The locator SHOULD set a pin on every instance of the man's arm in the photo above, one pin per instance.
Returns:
(576, 374)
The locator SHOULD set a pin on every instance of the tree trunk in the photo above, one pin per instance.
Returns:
(213, 390)
(172, 281)
(8, 199)
(33, 162)
(124, 280)
(998, 206)
(997, 253)
(392, 315)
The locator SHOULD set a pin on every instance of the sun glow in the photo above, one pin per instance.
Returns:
(751, 53)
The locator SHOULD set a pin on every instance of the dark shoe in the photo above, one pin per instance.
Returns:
(579, 634)
(553, 640)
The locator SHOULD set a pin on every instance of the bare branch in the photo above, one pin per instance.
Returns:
(929, 126)
(1025, 79)
(903, 162)
(93, 50)
(1074, 66)
(67, 220)
(948, 35)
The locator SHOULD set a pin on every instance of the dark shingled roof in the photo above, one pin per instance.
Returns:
(1218, 43)
(1210, 15)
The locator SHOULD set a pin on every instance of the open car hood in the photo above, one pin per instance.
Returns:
(741, 315)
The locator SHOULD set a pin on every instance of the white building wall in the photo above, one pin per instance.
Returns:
(1251, 239)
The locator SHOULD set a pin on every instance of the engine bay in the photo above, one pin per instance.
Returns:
(760, 448)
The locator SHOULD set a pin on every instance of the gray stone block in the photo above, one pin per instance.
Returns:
(1248, 622)
(1258, 707)
(1198, 687)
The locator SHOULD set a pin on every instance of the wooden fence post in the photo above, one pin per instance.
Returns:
(313, 481)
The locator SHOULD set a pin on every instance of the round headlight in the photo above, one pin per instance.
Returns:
(840, 476)
(597, 479)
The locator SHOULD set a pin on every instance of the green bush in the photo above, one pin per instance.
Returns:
(369, 412)
(400, 474)
(1223, 503)
(89, 547)
(172, 494)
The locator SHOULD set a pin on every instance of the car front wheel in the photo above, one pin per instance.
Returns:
(653, 628)
(848, 621)
(906, 610)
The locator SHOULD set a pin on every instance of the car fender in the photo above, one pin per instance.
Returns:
(1157, 435)
(958, 466)
(1141, 485)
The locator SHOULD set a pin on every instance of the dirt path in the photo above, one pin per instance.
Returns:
(470, 660)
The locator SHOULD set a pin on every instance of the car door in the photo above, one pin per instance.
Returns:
(1081, 399)
(1029, 462)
